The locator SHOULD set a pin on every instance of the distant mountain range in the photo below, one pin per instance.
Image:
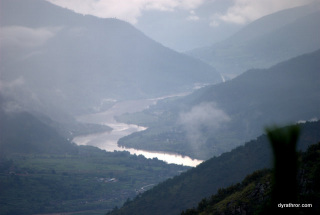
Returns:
(266, 41)
(218, 118)
(54, 59)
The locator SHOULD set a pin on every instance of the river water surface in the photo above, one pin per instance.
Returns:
(108, 140)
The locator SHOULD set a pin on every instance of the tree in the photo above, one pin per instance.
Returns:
(284, 142)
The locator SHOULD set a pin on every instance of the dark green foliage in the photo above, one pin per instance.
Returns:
(255, 186)
(39, 183)
(309, 178)
(257, 198)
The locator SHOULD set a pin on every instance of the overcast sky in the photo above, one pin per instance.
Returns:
(167, 21)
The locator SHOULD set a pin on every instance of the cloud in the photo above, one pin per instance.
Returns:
(20, 36)
(193, 16)
(215, 20)
(245, 11)
(205, 117)
(10, 90)
(12, 84)
(238, 12)
(128, 10)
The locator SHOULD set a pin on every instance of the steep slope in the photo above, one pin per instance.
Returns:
(251, 196)
(186, 190)
(54, 58)
(24, 133)
(216, 119)
(266, 41)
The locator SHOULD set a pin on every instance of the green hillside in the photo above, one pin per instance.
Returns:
(253, 194)
(186, 190)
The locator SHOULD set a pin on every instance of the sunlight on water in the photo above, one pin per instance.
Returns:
(108, 140)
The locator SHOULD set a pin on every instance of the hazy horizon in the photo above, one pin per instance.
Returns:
(183, 25)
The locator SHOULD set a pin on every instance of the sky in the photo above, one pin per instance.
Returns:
(182, 24)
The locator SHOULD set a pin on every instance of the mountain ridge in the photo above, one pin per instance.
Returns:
(73, 57)
(284, 93)
(266, 41)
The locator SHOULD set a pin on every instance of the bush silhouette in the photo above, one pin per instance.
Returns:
(284, 185)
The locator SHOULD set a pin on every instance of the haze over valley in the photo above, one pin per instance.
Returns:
(130, 108)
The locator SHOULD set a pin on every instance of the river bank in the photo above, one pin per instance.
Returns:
(108, 140)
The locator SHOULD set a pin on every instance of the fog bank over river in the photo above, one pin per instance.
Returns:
(108, 140)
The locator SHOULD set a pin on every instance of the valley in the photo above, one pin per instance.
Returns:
(218, 118)
(109, 140)
(93, 180)
(98, 117)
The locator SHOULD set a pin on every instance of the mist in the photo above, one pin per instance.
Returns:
(73, 63)
(101, 101)
(201, 119)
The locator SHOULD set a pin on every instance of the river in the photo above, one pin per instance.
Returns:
(108, 140)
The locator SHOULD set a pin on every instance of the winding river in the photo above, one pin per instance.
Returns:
(108, 140)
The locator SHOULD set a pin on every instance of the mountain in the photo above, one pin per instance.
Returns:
(23, 133)
(252, 195)
(266, 41)
(54, 59)
(186, 190)
(217, 118)
(184, 30)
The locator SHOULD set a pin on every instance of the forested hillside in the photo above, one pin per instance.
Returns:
(253, 194)
(185, 191)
